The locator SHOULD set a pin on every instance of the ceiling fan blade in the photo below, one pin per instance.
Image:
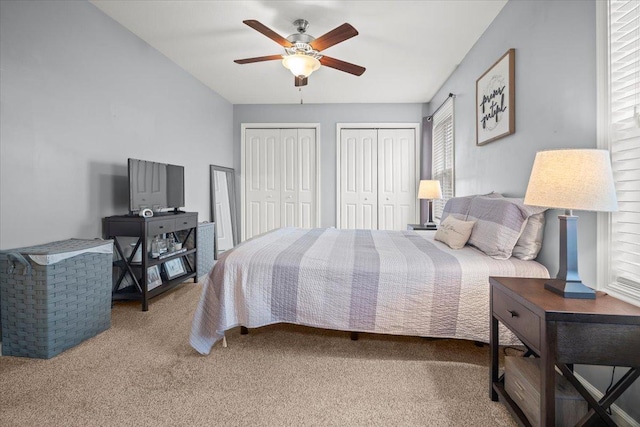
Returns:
(301, 81)
(347, 67)
(333, 37)
(258, 59)
(261, 28)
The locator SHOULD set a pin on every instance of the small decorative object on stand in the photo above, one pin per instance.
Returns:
(155, 247)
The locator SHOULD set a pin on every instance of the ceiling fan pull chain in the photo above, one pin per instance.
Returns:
(300, 90)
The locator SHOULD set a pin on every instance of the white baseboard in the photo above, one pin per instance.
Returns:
(619, 416)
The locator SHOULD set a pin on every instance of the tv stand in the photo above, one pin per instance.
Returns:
(183, 228)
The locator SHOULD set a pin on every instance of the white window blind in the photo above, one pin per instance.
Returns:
(624, 144)
(442, 162)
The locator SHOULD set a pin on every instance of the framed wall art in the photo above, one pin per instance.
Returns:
(496, 100)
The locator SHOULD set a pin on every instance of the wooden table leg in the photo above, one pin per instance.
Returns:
(493, 369)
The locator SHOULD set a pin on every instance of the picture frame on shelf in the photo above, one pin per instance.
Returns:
(496, 100)
(174, 268)
(153, 277)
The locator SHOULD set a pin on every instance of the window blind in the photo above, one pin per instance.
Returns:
(624, 144)
(442, 163)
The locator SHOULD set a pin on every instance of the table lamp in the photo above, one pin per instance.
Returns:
(429, 189)
(571, 179)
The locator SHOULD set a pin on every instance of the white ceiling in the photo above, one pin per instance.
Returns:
(409, 48)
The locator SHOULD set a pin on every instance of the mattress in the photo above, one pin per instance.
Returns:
(388, 282)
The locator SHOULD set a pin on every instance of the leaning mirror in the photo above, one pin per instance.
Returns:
(223, 208)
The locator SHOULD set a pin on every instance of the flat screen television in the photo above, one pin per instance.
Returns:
(156, 186)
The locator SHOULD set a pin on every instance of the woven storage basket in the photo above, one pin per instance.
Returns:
(54, 296)
(205, 254)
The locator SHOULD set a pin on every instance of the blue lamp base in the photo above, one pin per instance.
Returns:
(565, 289)
(567, 283)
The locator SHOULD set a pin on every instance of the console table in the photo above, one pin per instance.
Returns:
(562, 332)
(182, 226)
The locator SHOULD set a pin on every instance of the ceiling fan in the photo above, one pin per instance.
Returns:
(302, 52)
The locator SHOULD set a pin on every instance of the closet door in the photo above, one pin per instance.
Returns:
(280, 179)
(307, 177)
(289, 193)
(378, 181)
(298, 195)
(262, 185)
(358, 178)
(397, 190)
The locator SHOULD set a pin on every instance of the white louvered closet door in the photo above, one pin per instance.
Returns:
(280, 179)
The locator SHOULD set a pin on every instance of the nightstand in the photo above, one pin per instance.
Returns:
(561, 332)
(420, 227)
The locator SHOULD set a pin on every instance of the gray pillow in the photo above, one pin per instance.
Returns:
(458, 207)
(500, 223)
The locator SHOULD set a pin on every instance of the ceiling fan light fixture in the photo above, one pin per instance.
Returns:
(300, 64)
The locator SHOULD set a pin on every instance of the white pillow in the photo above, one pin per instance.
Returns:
(454, 232)
(530, 241)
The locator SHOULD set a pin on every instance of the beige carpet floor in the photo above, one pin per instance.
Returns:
(142, 372)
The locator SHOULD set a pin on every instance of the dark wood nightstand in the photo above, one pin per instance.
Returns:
(561, 332)
(420, 227)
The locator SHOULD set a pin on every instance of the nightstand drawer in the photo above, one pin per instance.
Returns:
(517, 317)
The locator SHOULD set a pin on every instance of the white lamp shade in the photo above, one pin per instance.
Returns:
(572, 179)
(429, 189)
(300, 64)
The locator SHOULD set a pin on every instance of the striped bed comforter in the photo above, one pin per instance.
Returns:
(390, 282)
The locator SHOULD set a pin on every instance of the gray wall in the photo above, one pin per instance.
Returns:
(328, 115)
(555, 108)
(81, 94)
(555, 104)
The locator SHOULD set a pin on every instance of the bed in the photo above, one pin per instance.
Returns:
(388, 282)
